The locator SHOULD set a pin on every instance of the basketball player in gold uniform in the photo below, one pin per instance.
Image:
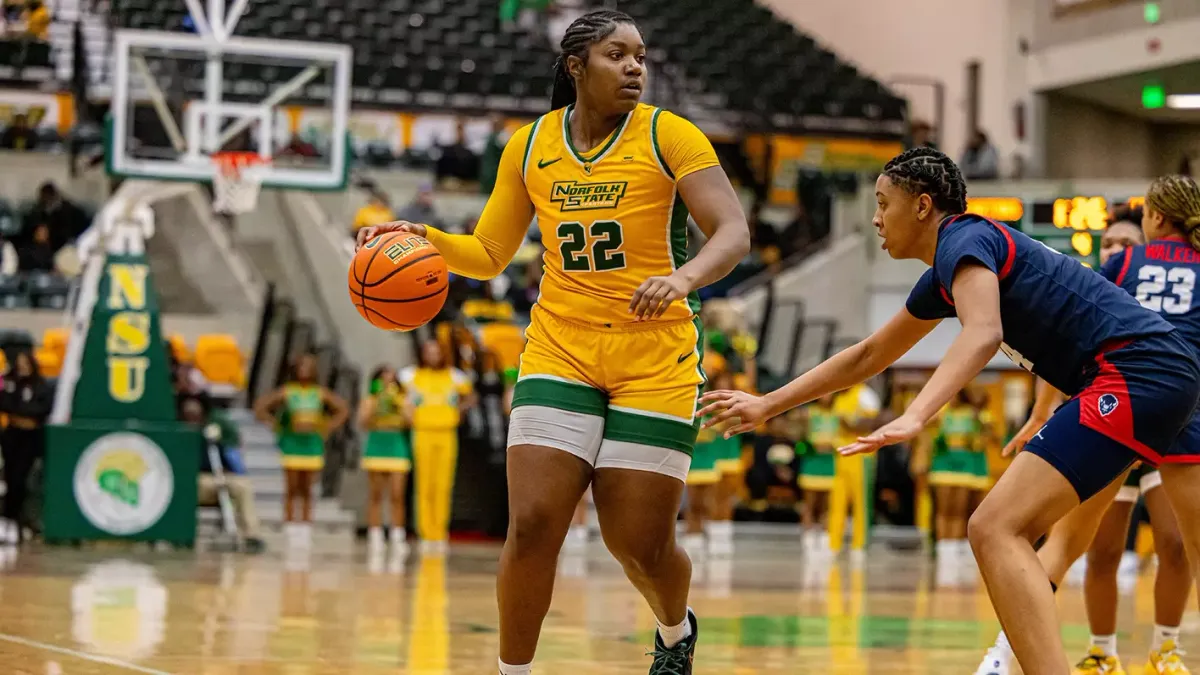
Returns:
(611, 373)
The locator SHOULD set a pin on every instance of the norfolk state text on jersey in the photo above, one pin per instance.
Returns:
(574, 196)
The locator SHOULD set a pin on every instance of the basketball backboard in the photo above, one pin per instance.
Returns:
(179, 98)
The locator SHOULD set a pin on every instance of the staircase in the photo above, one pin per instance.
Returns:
(261, 456)
(96, 35)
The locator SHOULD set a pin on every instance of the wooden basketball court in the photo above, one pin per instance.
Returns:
(766, 611)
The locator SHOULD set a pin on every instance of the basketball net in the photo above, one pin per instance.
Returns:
(237, 182)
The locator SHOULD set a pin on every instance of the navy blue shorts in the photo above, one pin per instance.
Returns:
(1138, 404)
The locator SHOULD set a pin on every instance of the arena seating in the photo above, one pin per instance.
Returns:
(737, 55)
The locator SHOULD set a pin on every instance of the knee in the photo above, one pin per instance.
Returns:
(984, 531)
(534, 527)
(1170, 550)
(640, 555)
(1104, 560)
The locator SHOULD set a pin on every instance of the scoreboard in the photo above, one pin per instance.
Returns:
(1070, 225)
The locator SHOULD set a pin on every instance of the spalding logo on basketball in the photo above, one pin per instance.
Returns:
(1107, 403)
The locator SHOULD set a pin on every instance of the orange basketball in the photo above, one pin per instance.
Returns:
(398, 281)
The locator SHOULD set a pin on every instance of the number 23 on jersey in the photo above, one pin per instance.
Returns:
(1154, 295)
(591, 247)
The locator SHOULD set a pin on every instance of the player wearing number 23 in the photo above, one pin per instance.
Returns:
(1161, 274)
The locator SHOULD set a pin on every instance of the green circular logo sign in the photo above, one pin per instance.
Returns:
(123, 483)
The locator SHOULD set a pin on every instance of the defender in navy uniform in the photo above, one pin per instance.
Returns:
(1135, 381)
(1098, 527)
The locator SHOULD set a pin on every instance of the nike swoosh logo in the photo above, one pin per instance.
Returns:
(684, 357)
(543, 163)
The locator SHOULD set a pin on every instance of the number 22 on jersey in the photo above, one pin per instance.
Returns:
(594, 247)
(1152, 292)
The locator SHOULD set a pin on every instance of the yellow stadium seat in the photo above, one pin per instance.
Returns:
(56, 339)
(220, 360)
(505, 340)
(49, 361)
(179, 348)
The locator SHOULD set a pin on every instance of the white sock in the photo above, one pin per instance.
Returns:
(673, 635)
(1162, 634)
(1002, 646)
(506, 669)
(398, 535)
(1106, 643)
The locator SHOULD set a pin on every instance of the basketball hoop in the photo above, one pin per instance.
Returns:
(237, 181)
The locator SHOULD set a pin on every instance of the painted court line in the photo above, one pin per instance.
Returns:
(80, 655)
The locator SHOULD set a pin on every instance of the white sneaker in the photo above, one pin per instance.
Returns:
(305, 536)
(375, 541)
(720, 538)
(964, 552)
(577, 538)
(1130, 563)
(858, 557)
(694, 544)
(398, 538)
(8, 532)
(1076, 572)
(996, 662)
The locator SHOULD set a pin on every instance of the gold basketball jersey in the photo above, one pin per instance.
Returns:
(610, 217)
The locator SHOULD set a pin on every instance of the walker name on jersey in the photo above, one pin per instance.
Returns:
(574, 196)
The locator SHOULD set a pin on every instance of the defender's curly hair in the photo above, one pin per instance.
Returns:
(582, 34)
(1177, 198)
(929, 171)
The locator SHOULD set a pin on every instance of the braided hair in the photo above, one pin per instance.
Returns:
(928, 171)
(1177, 198)
(582, 33)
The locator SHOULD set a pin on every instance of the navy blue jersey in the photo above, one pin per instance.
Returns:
(1056, 313)
(1162, 276)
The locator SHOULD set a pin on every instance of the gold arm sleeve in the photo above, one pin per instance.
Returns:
(501, 228)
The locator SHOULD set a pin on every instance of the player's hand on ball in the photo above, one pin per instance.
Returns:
(901, 429)
(1030, 429)
(735, 411)
(366, 234)
(655, 295)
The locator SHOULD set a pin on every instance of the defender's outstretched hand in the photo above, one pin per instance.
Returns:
(742, 410)
(901, 429)
(368, 233)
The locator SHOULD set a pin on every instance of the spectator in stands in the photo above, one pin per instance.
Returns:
(524, 294)
(221, 431)
(387, 459)
(437, 396)
(921, 135)
(66, 220)
(421, 210)
(26, 399)
(37, 20)
(456, 161)
(186, 378)
(980, 161)
(18, 136)
(298, 147)
(489, 161)
(305, 413)
(775, 463)
(377, 211)
(36, 254)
